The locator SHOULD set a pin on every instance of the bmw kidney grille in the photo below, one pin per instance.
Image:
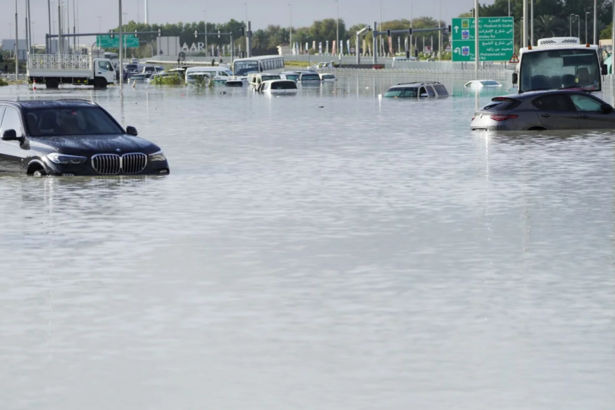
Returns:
(113, 164)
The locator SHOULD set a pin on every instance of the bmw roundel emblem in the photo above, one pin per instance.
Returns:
(118, 150)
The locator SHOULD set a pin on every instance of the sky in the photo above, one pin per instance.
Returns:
(260, 12)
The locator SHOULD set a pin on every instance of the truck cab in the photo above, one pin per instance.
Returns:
(104, 68)
(558, 63)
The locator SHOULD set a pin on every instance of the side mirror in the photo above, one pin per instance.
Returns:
(10, 135)
(606, 108)
(515, 78)
(130, 130)
(605, 69)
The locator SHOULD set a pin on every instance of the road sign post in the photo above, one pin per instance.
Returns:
(496, 39)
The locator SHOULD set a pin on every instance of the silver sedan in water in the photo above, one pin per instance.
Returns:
(545, 110)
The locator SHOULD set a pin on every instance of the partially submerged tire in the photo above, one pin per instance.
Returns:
(52, 83)
(100, 83)
(39, 173)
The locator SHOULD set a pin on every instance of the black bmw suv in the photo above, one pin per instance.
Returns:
(72, 137)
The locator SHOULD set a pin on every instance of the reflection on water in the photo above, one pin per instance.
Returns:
(328, 250)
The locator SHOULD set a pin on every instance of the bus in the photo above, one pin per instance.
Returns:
(243, 66)
(557, 63)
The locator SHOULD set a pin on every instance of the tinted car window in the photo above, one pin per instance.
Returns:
(430, 91)
(409, 93)
(11, 121)
(62, 121)
(284, 85)
(502, 104)
(441, 89)
(586, 103)
(556, 102)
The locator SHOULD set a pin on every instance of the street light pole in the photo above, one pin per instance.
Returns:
(595, 20)
(205, 11)
(290, 28)
(532, 23)
(121, 62)
(586, 39)
(337, 21)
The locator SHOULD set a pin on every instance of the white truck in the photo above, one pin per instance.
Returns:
(78, 69)
(557, 63)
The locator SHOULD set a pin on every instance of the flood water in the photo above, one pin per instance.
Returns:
(326, 251)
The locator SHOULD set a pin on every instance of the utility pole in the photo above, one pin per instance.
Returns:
(48, 44)
(440, 33)
(532, 41)
(586, 39)
(121, 62)
(205, 11)
(595, 21)
(337, 22)
(476, 42)
(525, 18)
(16, 43)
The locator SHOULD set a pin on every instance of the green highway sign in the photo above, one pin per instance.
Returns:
(496, 38)
(490, 50)
(106, 41)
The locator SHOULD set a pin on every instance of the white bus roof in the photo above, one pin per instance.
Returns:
(556, 43)
(258, 58)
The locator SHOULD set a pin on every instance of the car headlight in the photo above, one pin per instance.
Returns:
(157, 156)
(58, 158)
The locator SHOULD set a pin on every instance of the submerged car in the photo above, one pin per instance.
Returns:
(482, 84)
(309, 78)
(72, 137)
(545, 110)
(426, 89)
(328, 77)
(278, 87)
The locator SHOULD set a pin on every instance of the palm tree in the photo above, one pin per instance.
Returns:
(548, 26)
(259, 40)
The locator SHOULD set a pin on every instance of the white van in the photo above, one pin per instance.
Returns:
(255, 79)
(217, 74)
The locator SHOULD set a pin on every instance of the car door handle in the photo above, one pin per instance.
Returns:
(584, 116)
(545, 115)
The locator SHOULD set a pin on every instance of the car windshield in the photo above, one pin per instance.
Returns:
(63, 121)
(283, 85)
(270, 77)
(489, 82)
(401, 93)
(310, 77)
(558, 69)
(245, 67)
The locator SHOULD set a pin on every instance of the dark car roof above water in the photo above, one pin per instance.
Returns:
(533, 94)
(49, 103)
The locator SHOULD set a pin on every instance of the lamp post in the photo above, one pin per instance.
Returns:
(595, 20)
(290, 27)
(337, 25)
(121, 62)
(586, 39)
(205, 22)
(122, 42)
